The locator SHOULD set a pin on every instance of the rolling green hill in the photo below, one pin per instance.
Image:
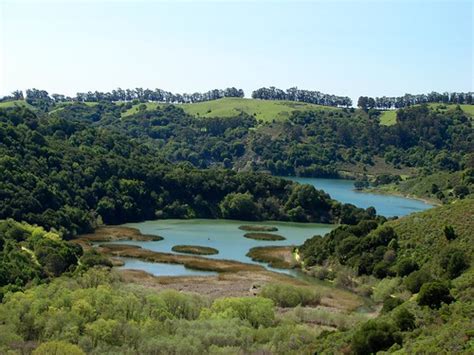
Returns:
(265, 110)
(421, 235)
(388, 118)
(442, 186)
(20, 103)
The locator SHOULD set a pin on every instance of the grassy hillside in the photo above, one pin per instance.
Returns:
(442, 186)
(265, 110)
(411, 325)
(421, 235)
(388, 118)
(21, 103)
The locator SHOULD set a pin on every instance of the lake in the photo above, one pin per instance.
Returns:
(225, 236)
(343, 191)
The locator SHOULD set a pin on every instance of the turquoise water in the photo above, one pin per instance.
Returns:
(386, 205)
(225, 236)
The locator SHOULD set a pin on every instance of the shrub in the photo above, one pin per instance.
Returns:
(449, 233)
(374, 336)
(391, 303)
(406, 267)
(416, 279)
(93, 258)
(181, 305)
(239, 206)
(58, 347)
(454, 261)
(404, 319)
(382, 269)
(433, 294)
(257, 311)
(290, 296)
(385, 288)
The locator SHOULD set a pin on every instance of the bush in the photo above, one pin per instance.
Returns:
(187, 306)
(58, 347)
(93, 258)
(391, 303)
(433, 294)
(416, 279)
(449, 233)
(290, 296)
(257, 311)
(239, 206)
(385, 288)
(454, 261)
(404, 319)
(406, 267)
(382, 270)
(375, 336)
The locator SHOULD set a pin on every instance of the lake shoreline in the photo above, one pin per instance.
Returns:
(426, 200)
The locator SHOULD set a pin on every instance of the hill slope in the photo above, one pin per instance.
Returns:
(421, 234)
(265, 110)
(389, 118)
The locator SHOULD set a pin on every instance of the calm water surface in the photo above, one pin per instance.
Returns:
(225, 236)
(386, 205)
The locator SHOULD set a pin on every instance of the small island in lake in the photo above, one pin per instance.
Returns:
(195, 249)
(280, 257)
(264, 236)
(252, 228)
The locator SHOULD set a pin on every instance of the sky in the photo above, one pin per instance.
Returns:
(351, 48)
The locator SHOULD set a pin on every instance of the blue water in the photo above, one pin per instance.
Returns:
(386, 205)
(225, 236)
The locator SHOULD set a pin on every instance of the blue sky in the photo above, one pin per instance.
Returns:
(341, 47)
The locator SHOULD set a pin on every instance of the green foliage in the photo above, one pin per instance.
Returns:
(416, 279)
(404, 319)
(239, 206)
(406, 267)
(444, 186)
(385, 288)
(449, 232)
(57, 348)
(92, 258)
(374, 336)
(29, 253)
(99, 314)
(290, 296)
(433, 294)
(118, 171)
(363, 247)
(454, 261)
(257, 311)
(391, 303)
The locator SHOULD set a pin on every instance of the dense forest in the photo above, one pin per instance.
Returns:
(73, 173)
(309, 143)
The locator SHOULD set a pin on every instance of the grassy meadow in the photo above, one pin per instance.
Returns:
(389, 117)
(265, 110)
